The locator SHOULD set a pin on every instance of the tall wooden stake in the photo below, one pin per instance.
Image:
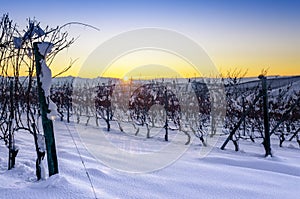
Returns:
(12, 151)
(47, 123)
(267, 142)
(166, 109)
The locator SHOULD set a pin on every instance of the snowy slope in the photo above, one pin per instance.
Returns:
(221, 174)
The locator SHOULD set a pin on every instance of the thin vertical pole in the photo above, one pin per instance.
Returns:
(10, 130)
(166, 109)
(244, 122)
(107, 107)
(267, 142)
(47, 123)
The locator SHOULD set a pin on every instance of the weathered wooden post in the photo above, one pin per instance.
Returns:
(166, 109)
(12, 151)
(44, 108)
(267, 142)
(107, 107)
(244, 122)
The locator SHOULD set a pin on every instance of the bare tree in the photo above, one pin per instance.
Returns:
(18, 76)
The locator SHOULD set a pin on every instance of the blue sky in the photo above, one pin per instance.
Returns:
(246, 34)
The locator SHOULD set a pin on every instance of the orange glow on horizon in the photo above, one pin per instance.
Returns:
(280, 65)
(253, 69)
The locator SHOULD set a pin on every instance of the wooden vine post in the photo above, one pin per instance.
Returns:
(46, 122)
(267, 142)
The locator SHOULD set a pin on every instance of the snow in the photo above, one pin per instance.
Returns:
(33, 30)
(46, 78)
(39, 31)
(220, 174)
(45, 48)
(17, 42)
(53, 110)
(41, 142)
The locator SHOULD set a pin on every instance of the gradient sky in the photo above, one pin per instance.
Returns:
(245, 34)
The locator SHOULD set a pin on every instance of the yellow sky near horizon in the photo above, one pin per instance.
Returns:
(279, 57)
(285, 65)
(148, 64)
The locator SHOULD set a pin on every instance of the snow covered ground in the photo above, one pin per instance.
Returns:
(221, 174)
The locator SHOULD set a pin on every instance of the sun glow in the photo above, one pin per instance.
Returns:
(147, 64)
(125, 78)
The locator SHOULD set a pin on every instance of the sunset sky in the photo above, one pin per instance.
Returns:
(244, 34)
